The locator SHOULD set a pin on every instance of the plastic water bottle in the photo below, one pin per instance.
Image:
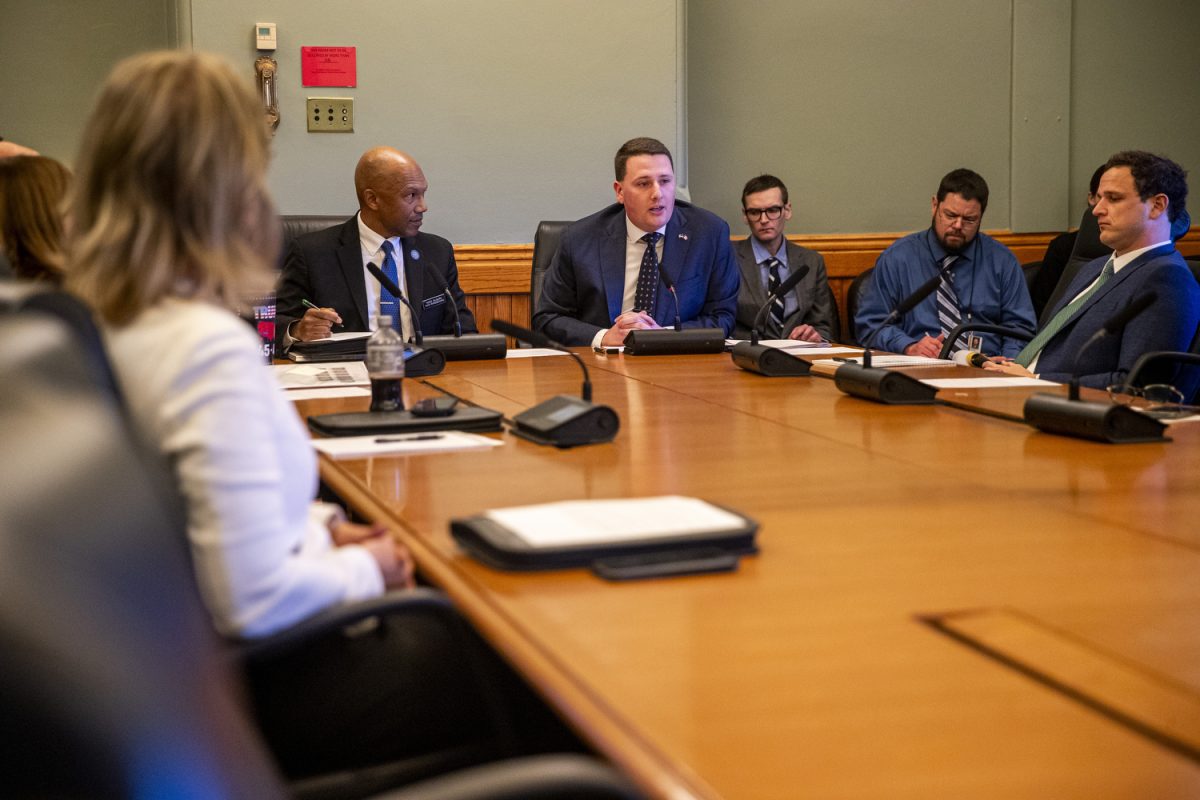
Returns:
(385, 366)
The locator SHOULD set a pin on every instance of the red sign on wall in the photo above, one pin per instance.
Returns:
(329, 66)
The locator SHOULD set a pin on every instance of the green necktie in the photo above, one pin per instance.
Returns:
(1031, 350)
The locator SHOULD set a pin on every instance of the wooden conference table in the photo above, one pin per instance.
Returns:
(946, 604)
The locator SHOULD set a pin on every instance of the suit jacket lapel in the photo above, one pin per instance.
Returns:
(612, 264)
(414, 273)
(795, 262)
(752, 284)
(349, 256)
(676, 241)
(1115, 280)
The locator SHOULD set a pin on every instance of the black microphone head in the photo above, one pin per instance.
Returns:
(387, 282)
(1119, 320)
(924, 290)
(666, 279)
(792, 280)
(523, 334)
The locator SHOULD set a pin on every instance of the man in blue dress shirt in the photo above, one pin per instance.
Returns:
(982, 280)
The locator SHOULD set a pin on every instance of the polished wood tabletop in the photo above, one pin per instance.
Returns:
(946, 603)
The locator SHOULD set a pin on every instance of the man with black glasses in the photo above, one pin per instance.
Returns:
(765, 261)
(981, 279)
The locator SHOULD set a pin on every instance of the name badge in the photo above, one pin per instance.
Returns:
(436, 300)
(975, 342)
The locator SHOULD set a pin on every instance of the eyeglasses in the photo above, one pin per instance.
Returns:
(1162, 401)
(773, 212)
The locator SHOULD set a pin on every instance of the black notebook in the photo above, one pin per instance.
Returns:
(619, 539)
(362, 423)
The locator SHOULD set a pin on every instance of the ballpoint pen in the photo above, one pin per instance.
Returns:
(423, 437)
(310, 304)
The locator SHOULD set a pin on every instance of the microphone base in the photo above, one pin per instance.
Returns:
(420, 362)
(666, 342)
(567, 421)
(769, 361)
(471, 347)
(883, 386)
(1098, 422)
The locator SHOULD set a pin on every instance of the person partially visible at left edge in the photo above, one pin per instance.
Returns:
(604, 280)
(1141, 195)
(766, 259)
(327, 268)
(982, 280)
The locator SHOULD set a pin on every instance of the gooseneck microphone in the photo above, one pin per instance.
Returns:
(391, 286)
(1104, 422)
(445, 287)
(458, 347)
(882, 385)
(666, 279)
(770, 361)
(1113, 325)
(784, 287)
(906, 305)
(542, 340)
(563, 421)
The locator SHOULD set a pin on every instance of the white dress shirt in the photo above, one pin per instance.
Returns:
(194, 380)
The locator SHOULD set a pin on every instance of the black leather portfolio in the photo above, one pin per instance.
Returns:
(493, 540)
(362, 423)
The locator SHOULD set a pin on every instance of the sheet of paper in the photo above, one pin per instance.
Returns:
(326, 393)
(532, 352)
(893, 361)
(402, 444)
(1005, 382)
(578, 522)
(326, 374)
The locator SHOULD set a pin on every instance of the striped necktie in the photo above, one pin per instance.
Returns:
(1056, 323)
(778, 309)
(647, 284)
(947, 302)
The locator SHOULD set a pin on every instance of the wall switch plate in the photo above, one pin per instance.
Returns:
(331, 115)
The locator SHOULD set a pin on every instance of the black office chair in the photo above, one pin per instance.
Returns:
(545, 245)
(21, 296)
(1031, 271)
(295, 225)
(835, 317)
(1088, 247)
(853, 298)
(112, 680)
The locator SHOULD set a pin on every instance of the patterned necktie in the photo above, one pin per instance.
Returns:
(647, 284)
(947, 302)
(1031, 350)
(778, 310)
(388, 304)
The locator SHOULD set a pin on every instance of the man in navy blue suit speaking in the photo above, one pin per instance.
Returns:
(604, 280)
(1141, 194)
